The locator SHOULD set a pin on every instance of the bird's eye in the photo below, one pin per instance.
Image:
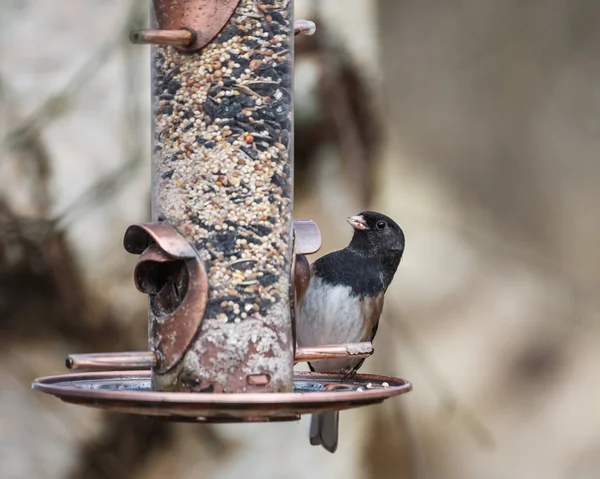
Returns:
(380, 225)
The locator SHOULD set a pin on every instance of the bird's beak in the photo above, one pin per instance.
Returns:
(358, 222)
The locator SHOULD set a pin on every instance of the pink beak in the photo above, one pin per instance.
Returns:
(358, 222)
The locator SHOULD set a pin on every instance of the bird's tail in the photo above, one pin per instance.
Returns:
(324, 430)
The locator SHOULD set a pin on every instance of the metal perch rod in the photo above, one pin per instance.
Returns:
(337, 351)
(181, 37)
(141, 360)
(112, 361)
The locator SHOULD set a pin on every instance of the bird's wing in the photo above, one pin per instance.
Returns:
(302, 277)
(371, 308)
(302, 268)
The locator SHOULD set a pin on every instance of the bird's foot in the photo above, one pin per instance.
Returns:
(349, 373)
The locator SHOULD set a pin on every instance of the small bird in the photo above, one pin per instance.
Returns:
(344, 300)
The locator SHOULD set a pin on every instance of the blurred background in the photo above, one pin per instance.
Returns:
(474, 123)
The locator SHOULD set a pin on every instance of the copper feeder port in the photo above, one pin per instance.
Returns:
(170, 271)
(204, 19)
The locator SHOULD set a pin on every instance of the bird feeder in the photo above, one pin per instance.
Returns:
(222, 261)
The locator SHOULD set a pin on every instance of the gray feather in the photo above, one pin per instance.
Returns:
(324, 430)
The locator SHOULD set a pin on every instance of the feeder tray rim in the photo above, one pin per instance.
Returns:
(48, 384)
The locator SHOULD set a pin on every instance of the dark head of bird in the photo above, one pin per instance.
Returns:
(376, 234)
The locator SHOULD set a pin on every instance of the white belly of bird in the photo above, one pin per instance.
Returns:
(329, 315)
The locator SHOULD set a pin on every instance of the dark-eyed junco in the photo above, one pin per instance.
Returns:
(344, 300)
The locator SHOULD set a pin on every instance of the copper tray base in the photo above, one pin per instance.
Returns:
(129, 392)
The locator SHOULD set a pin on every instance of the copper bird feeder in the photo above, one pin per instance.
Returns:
(222, 261)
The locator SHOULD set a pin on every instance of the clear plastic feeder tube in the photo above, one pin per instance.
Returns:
(222, 176)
